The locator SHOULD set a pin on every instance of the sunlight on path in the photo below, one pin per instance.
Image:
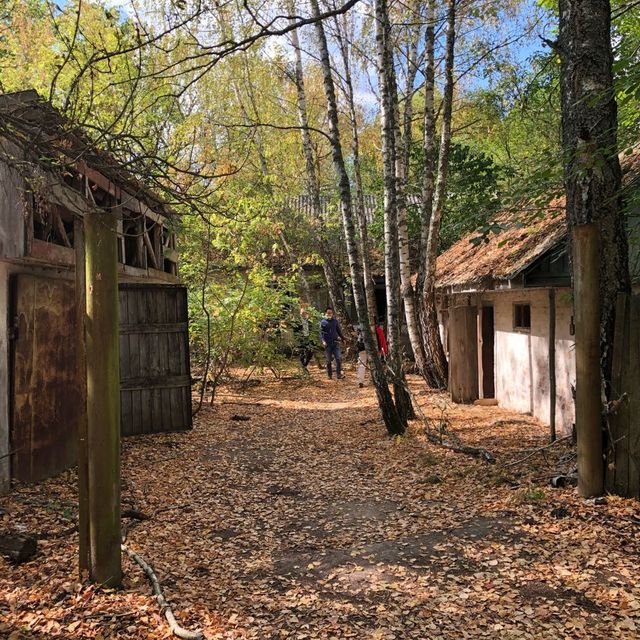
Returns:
(288, 513)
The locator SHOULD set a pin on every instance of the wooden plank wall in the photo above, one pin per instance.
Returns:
(155, 379)
(623, 463)
(12, 209)
(463, 354)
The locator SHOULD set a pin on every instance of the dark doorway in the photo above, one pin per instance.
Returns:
(488, 358)
(381, 300)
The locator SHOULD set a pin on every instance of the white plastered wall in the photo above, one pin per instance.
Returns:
(522, 358)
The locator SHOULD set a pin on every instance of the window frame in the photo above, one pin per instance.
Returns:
(519, 326)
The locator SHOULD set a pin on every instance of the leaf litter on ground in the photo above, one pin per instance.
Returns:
(306, 522)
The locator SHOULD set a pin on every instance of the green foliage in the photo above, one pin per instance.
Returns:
(248, 315)
(247, 300)
(626, 67)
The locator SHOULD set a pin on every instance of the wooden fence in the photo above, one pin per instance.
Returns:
(155, 382)
(623, 463)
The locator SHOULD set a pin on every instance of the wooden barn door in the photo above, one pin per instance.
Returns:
(155, 380)
(45, 390)
(463, 354)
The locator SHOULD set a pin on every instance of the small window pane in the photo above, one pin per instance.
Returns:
(522, 316)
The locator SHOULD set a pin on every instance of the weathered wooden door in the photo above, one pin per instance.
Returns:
(155, 380)
(45, 383)
(463, 354)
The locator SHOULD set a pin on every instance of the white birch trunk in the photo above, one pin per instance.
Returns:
(313, 187)
(403, 140)
(388, 409)
(369, 285)
(436, 359)
(388, 111)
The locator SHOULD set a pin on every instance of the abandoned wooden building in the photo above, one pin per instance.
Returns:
(506, 311)
(49, 176)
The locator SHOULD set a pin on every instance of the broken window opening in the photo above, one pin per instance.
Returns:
(52, 223)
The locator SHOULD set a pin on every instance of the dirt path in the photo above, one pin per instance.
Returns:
(287, 513)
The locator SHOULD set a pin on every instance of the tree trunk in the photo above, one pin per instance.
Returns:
(436, 361)
(592, 178)
(103, 398)
(313, 187)
(388, 111)
(428, 183)
(363, 235)
(388, 409)
(403, 141)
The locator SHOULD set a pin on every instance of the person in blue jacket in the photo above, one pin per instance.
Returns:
(330, 333)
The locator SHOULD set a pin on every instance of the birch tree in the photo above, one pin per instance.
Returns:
(391, 417)
(313, 186)
(434, 196)
(403, 143)
(388, 114)
(342, 39)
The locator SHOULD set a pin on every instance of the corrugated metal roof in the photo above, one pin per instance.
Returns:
(303, 204)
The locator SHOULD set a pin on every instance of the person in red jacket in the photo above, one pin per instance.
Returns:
(382, 340)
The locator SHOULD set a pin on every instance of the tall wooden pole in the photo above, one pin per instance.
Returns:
(81, 363)
(103, 397)
(552, 364)
(586, 304)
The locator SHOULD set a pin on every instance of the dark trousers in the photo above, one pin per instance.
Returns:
(305, 353)
(332, 350)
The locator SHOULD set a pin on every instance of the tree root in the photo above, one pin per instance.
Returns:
(176, 629)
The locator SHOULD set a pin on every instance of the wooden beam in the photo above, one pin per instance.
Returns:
(103, 397)
(552, 364)
(59, 227)
(63, 195)
(81, 363)
(586, 301)
(150, 252)
(52, 253)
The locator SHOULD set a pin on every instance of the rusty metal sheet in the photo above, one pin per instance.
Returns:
(45, 389)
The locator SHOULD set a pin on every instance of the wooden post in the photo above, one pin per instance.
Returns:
(103, 397)
(5, 377)
(81, 363)
(552, 364)
(586, 302)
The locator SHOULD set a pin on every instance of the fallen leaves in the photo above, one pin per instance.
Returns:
(306, 522)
